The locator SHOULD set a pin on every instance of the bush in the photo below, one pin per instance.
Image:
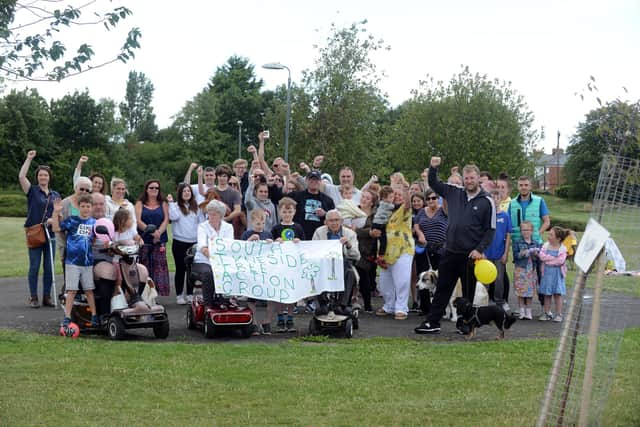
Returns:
(572, 224)
(564, 191)
(13, 204)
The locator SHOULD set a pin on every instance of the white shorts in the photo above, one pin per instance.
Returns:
(75, 275)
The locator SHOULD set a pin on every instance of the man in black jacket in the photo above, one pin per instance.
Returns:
(472, 224)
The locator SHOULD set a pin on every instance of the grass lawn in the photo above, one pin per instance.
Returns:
(53, 381)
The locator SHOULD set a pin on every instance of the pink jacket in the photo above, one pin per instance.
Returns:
(558, 260)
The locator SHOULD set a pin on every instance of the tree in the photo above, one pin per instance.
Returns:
(137, 110)
(610, 129)
(469, 120)
(236, 96)
(34, 56)
(25, 124)
(346, 106)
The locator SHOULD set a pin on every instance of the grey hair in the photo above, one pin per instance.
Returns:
(334, 211)
(83, 180)
(217, 206)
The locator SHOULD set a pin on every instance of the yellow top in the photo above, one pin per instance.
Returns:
(399, 236)
(504, 204)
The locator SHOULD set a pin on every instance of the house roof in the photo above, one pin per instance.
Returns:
(552, 160)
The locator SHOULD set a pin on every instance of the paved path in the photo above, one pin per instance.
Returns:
(15, 314)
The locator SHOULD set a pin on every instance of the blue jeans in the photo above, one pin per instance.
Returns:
(35, 256)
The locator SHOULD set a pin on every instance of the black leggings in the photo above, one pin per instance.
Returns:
(365, 286)
(179, 251)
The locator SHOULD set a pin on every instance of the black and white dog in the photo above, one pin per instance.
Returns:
(471, 318)
(426, 288)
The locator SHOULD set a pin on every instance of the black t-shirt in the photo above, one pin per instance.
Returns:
(288, 232)
(305, 210)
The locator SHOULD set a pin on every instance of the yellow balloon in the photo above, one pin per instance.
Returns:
(485, 271)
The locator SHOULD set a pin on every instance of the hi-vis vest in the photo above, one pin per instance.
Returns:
(532, 214)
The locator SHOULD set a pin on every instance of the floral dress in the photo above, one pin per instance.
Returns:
(525, 277)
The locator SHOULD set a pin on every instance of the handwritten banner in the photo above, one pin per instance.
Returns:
(284, 272)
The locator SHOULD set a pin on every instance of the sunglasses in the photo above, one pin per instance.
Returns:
(84, 190)
(432, 198)
(153, 188)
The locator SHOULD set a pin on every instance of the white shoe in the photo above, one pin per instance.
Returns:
(527, 314)
(522, 313)
(189, 299)
(180, 300)
(558, 318)
(506, 307)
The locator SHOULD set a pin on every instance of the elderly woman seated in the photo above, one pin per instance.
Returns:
(213, 227)
(334, 230)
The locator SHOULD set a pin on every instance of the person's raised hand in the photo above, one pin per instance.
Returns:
(252, 149)
(305, 167)
(317, 161)
(31, 154)
(200, 171)
(83, 159)
(192, 166)
(169, 198)
(435, 161)
(374, 178)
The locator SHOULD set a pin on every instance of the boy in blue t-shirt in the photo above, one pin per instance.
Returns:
(79, 254)
(498, 251)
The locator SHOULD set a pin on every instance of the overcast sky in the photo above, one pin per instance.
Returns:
(547, 49)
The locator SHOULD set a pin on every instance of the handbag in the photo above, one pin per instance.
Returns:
(35, 233)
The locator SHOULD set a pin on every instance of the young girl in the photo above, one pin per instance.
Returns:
(124, 233)
(525, 278)
(553, 254)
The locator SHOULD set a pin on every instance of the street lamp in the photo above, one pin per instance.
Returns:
(279, 66)
(239, 139)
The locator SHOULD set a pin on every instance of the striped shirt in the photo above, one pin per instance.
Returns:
(434, 228)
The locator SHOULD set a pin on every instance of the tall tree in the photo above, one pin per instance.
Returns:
(346, 105)
(236, 96)
(29, 45)
(610, 129)
(25, 124)
(471, 119)
(137, 110)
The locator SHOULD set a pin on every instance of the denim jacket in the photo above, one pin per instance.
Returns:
(521, 252)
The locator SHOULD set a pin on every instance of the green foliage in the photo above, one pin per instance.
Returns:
(137, 111)
(34, 56)
(570, 223)
(471, 119)
(25, 124)
(611, 129)
(13, 205)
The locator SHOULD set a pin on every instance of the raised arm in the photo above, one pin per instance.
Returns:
(434, 182)
(24, 170)
(187, 176)
(77, 172)
(263, 163)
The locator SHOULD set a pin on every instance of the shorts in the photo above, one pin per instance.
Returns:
(75, 275)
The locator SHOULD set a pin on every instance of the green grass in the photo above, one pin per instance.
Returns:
(54, 381)
(567, 208)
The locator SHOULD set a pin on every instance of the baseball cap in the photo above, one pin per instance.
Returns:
(314, 175)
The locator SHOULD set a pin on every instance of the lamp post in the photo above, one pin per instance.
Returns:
(239, 139)
(279, 66)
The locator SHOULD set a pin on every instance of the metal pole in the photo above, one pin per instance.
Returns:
(239, 139)
(288, 121)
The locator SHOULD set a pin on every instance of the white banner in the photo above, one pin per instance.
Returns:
(284, 272)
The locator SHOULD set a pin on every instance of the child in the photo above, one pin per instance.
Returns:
(525, 277)
(256, 231)
(79, 256)
(498, 251)
(287, 230)
(380, 220)
(124, 233)
(257, 198)
(348, 208)
(553, 255)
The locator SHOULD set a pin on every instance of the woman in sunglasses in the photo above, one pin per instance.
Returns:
(431, 230)
(151, 208)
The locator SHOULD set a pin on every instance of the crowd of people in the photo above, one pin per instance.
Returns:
(390, 233)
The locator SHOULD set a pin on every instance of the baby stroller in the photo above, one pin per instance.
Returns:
(223, 315)
(333, 314)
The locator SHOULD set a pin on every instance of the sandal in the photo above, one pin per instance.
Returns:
(381, 312)
(400, 316)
